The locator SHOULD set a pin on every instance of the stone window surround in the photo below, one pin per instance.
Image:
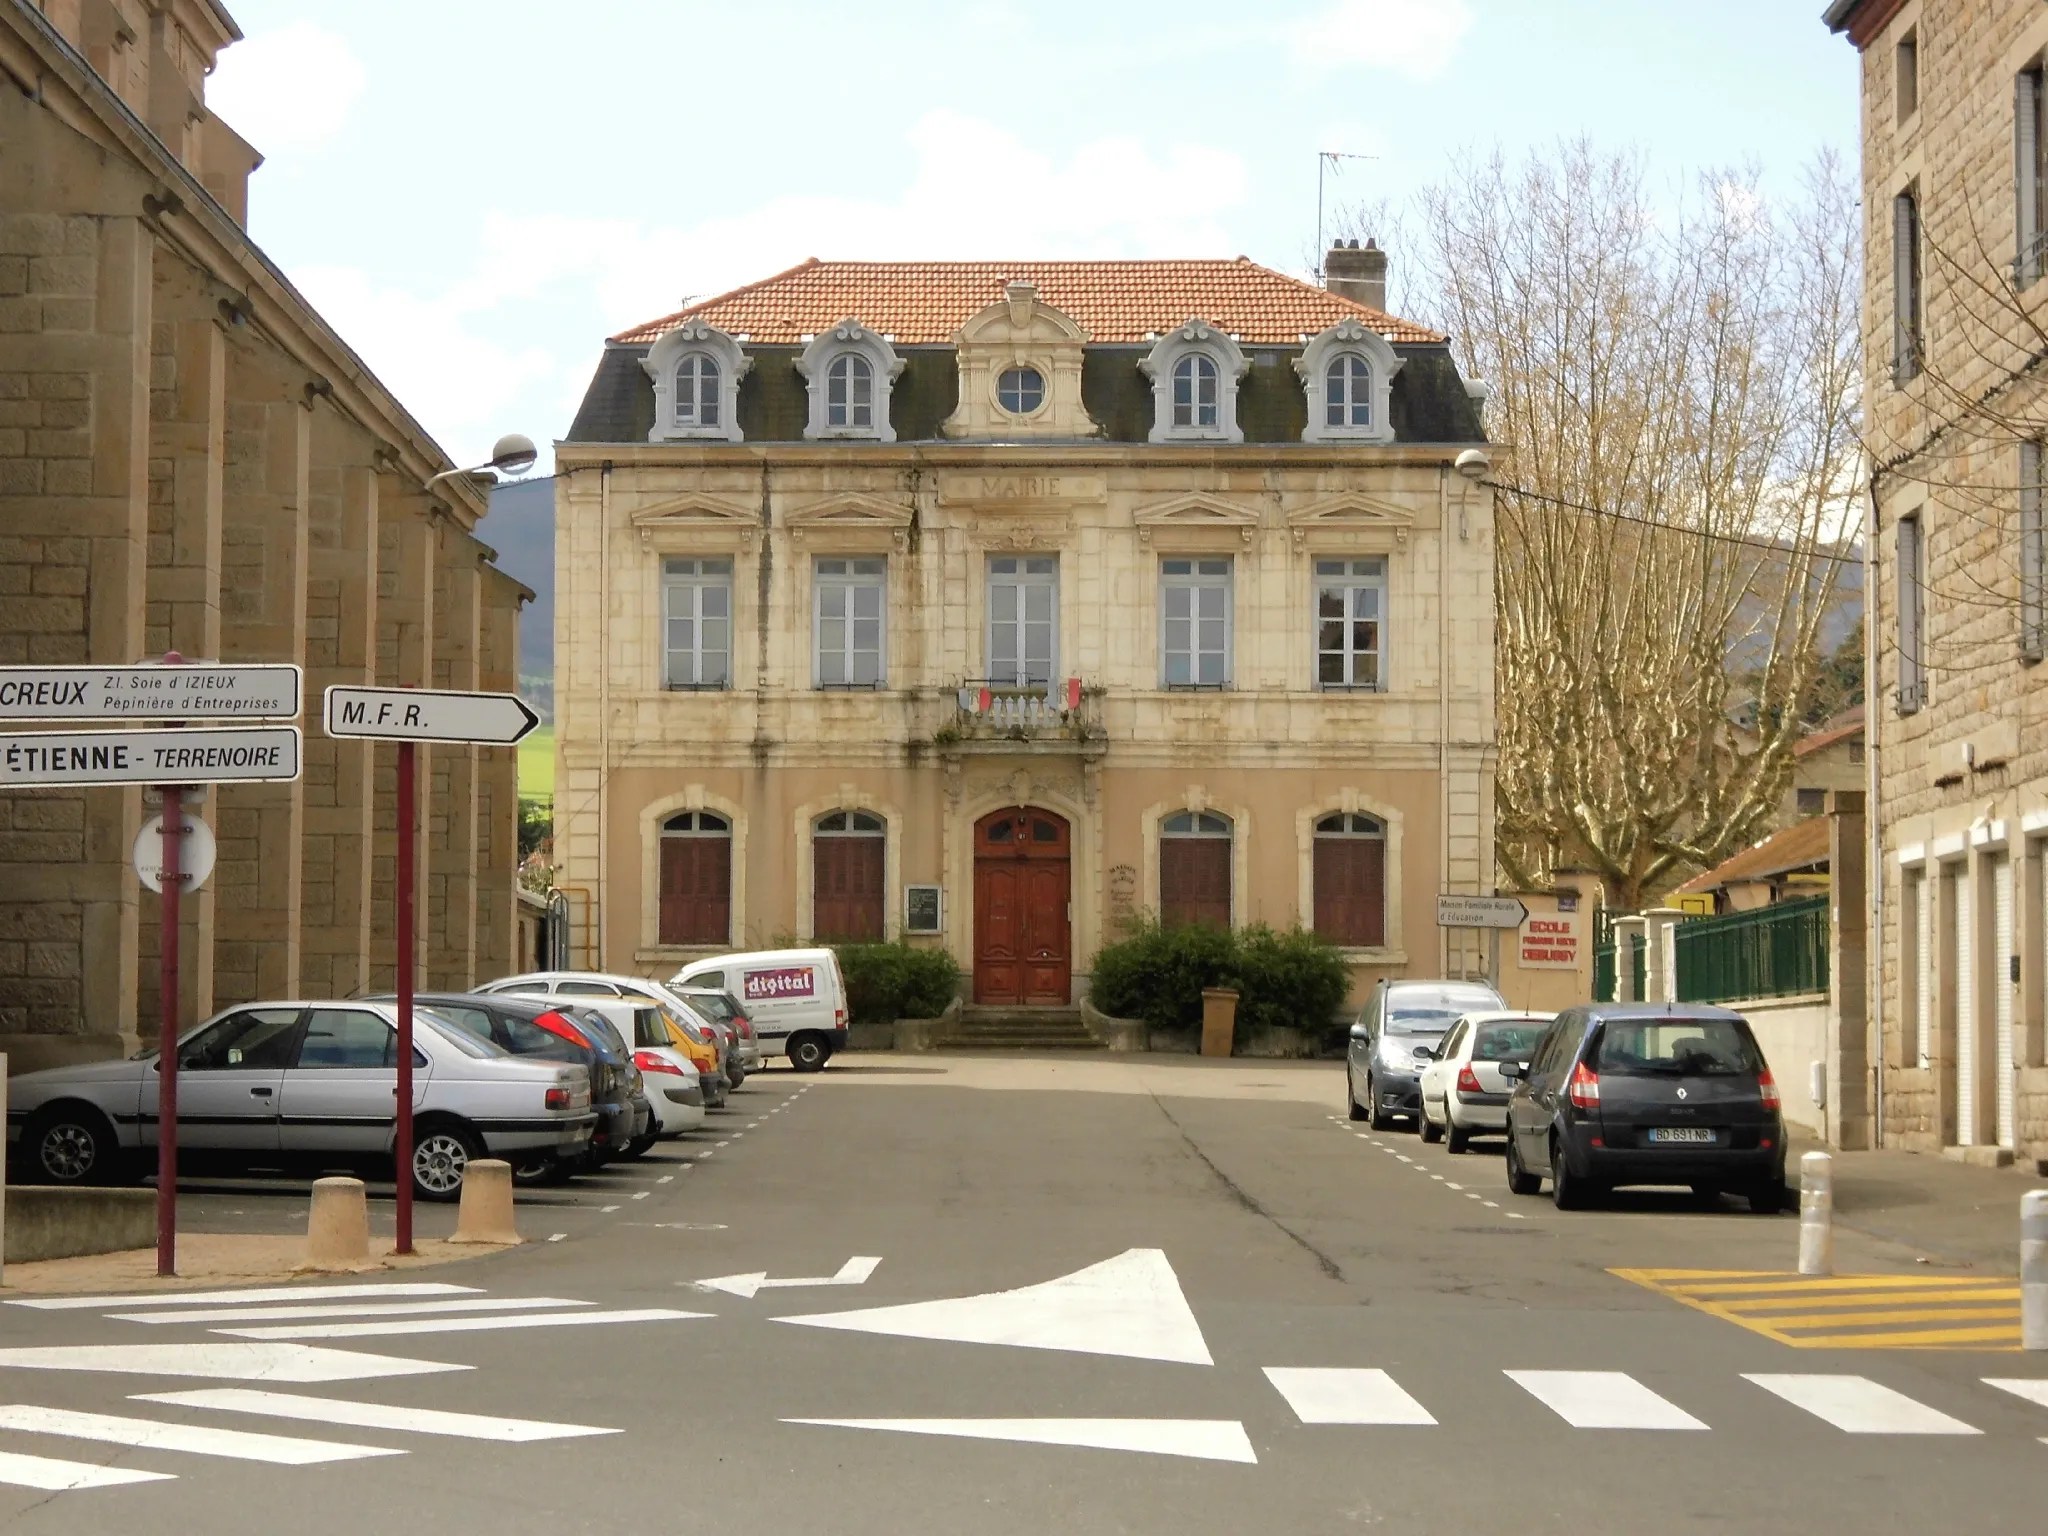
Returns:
(691, 797)
(848, 338)
(1196, 582)
(660, 365)
(1348, 335)
(813, 584)
(1353, 802)
(1195, 337)
(736, 543)
(1197, 798)
(803, 826)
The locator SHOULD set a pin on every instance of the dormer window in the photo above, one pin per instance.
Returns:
(849, 370)
(1194, 369)
(1020, 391)
(1348, 373)
(696, 369)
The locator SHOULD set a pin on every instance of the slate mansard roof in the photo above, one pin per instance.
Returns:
(1121, 305)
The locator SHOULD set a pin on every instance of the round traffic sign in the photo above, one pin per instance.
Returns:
(195, 853)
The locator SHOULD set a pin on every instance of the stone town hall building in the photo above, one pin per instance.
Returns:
(1074, 589)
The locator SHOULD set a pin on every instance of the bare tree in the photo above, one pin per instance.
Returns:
(1674, 396)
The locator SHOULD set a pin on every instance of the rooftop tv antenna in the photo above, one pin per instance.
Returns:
(1328, 162)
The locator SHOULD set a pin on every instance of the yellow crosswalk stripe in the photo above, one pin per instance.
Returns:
(1871, 1299)
(1841, 1311)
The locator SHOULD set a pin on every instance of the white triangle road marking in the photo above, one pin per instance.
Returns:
(1130, 1305)
(328, 1410)
(2032, 1389)
(1860, 1406)
(149, 1434)
(263, 1293)
(346, 1309)
(222, 1362)
(53, 1475)
(458, 1324)
(1602, 1400)
(1201, 1439)
(1335, 1395)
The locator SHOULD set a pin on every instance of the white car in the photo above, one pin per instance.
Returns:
(670, 1076)
(597, 987)
(1463, 1093)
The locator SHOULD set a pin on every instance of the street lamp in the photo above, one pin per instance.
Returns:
(513, 455)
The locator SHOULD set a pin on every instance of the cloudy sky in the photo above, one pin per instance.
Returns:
(477, 192)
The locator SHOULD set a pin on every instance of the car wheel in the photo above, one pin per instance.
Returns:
(533, 1168)
(1567, 1192)
(1520, 1180)
(71, 1144)
(808, 1053)
(1430, 1130)
(1768, 1199)
(1706, 1195)
(1379, 1119)
(441, 1154)
(1456, 1137)
(638, 1146)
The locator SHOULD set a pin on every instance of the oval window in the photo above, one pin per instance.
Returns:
(1020, 391)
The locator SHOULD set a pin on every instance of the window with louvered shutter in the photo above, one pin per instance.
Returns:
(1351, 881)
(696, 879)
(1912, 617)
(1194, 870)
(847, 862)
(2030, 173)
(2033, 557)
(1907, 334)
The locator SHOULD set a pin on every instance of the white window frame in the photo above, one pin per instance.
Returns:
(1021, 410)
(1194, 340)
(835, 577)
(687, 340)
(1022, 580)
(2030, 173)
(843, 344)
(1347, 336)
(1350, 581)
(1911, 606)
(704, 574)
(2033, 555)
(1909, 298)
(1194, 581)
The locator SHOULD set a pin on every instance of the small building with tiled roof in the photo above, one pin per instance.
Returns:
(999, 605)
(1786, 865)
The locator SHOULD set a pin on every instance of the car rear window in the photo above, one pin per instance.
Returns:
(1432, 1010)
(461, 1039)
(716, 1004)
(649, 1027)
(1507, 1042)
(1675, 1047)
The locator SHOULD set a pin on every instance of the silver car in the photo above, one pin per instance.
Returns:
(300, 1083)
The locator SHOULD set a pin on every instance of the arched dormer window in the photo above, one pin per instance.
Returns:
(1194, 369)
(1348, 373)
(696, 369)
(849, 370)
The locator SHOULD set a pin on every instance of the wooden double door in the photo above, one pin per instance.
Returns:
(1023, 936)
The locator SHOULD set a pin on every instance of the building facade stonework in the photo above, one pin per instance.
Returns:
(1022, 582)
(191, 460)
(1955, 197)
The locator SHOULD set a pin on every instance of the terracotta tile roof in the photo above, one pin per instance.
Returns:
(1799, 846)
(922, 302)
(1846, 726)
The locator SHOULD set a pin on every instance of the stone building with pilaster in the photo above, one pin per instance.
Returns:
(191, 459)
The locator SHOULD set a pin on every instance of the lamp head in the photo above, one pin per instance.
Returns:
(514, 454)
(1473, 464)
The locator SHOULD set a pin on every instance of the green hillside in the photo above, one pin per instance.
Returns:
(537, 765)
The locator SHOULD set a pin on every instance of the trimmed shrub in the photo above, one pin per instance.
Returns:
(887, 982)
(1289, 979)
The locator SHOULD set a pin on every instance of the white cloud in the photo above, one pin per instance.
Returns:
(1410, 37)
(291, 89)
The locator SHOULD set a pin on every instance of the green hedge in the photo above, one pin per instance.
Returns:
(1289, 979)
(887, 982)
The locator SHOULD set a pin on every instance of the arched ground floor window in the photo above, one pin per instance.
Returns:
(696, 879)
(1194, 869)
(847, 869)
(1351, 880)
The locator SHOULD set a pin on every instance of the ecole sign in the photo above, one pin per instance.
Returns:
(1550, 942)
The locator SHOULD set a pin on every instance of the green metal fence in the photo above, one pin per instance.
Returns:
(1774, 951)
(1603, 970)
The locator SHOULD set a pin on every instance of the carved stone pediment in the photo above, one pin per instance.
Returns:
(1198, 510)
(1352, 513)
(850, 512)
(698, 514)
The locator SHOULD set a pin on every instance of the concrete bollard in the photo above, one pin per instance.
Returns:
(486, 1212)
(1816, 1214)
(2034, 1270)
(338, 1226)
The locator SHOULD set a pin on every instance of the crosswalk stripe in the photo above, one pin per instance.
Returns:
(1872, 1319)
(1860, 1406)
(149, 1434)
(1794, 1283)
(327, 1410)
(347, 1309)
(1602, 1400)
(1334, 1395)
(265, 1293)
(1795, 1300)
(459, 1324)
(2034, 1391)
(53, 1475)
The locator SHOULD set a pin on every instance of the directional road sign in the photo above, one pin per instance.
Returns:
(199, 690)
(258, 754)
(424, 714)
(1479, 912)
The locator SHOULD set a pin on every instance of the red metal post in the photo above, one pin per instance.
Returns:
(167, 1037)
(403, 1147)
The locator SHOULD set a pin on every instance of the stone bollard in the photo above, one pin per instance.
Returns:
(338, 1226)
(2034, 1270)
(1816, 1214)
(486, 1212)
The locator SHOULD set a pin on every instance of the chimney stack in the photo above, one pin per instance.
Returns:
(1358, 275)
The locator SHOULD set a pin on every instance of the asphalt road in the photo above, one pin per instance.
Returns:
(1214, 1235)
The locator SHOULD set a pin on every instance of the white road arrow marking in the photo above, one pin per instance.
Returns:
(854, 1271)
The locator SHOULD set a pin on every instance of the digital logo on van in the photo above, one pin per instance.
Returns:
(790, 981)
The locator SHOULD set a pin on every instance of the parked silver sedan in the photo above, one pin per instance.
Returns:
(300, 1084)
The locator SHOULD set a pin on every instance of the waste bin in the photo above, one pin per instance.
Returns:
(1219, 1020)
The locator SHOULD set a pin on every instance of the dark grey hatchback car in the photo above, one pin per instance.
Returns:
(1656, 1093)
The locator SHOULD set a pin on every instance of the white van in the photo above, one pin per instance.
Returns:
(795, 999)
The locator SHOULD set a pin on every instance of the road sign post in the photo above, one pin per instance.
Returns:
(167, 1041)
(408, 716)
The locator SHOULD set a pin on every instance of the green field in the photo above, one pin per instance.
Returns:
(537, 765)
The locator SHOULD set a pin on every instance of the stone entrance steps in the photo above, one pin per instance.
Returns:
(1019, 1029)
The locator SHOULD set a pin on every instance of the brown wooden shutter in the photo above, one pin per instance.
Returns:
(1194, 881)
(1351, 890)
(696, 890)
(846, 888)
